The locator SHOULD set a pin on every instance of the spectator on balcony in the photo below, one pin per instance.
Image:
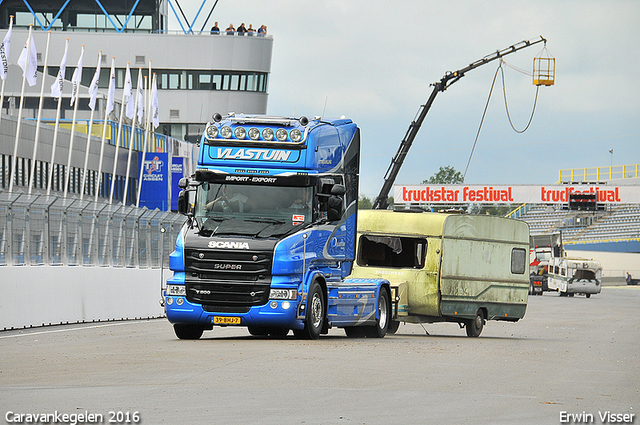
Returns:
(262, 31)
(231, 30)
(214, 29)
(250, 30)
(241, 29)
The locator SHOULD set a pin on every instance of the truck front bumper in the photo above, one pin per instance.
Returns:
(276, 313)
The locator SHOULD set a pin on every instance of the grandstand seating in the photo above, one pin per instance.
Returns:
(620, 222)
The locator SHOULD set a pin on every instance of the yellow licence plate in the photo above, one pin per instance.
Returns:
(221, 320)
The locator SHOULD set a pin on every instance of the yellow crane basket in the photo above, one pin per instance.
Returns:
(544, 69)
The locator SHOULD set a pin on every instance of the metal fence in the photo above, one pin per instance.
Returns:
(50, 230)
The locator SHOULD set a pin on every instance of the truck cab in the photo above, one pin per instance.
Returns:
(270, 230)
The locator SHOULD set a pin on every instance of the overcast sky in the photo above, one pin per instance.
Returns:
(373, 61)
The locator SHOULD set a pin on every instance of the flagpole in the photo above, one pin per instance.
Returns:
(86, 153)
(36, 139)
(6, 58)
(147, 85)
(107, 111)
(149, 114)
(2, 98)
(75, 81)
(131, 139)
(146, 132)
(14, 159)
(115, 158)
(57, 124)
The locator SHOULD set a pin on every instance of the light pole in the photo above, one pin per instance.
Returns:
(611, 168)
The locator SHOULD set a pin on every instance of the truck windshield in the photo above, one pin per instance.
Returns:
(259, 207)
(543, 255)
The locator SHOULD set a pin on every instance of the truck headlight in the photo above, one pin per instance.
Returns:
(283, 294)
(296, 135)
(176, 290)
(267, 134)
(226, 132)
(212, 132)
(281, 134)
(240, 133)
(254, 133)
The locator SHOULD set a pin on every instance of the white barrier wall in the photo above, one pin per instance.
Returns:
(42, 295)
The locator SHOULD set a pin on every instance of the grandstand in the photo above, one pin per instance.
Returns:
(615, 228)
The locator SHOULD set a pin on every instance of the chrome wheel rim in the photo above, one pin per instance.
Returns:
(316, 310)
(382, 312)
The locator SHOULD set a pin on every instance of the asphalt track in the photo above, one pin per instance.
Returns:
(567, 356)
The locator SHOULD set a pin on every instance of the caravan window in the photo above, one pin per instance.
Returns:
(392, 251)
(518, 261)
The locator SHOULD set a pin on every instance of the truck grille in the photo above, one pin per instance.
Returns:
(224, 278)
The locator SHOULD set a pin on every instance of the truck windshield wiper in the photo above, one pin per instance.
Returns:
(264, 220)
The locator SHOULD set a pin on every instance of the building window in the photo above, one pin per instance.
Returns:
(174, 79)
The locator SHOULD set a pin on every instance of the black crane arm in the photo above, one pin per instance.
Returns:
(444, 83)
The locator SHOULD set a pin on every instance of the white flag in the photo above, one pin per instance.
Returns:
(77, 78)
(4, 53)
(154, 104)
(128, 94)
(140, 96)
(56, 87)
(29, 67)
(111, 94)
(93, 87)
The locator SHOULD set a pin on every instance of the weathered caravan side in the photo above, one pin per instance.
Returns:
(447, 267)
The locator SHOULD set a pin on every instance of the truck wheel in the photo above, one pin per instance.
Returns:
(315, 313)
(188, 331)
(355, 331)
(393, 327)
(474, 326)
(379, 330)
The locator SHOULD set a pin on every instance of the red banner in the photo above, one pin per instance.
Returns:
(514, 194)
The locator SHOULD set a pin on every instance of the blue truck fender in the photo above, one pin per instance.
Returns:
(310, 277)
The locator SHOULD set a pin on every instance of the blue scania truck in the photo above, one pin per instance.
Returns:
(270, 235)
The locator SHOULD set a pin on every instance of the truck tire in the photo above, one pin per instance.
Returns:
(393, 327)
(316, 312)
(354, 331)
(474, 326)
(379, 330)
(188, 331)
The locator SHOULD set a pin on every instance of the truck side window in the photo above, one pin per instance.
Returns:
(392, 251)
(518, 264)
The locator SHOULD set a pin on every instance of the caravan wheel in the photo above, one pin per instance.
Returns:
(474, 326)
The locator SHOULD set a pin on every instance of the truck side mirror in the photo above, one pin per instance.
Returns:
(338, 190)
(335, 209)
(183, 202)
(183, 183)
(335, 203)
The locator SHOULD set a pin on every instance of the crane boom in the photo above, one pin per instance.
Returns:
(444, 83)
